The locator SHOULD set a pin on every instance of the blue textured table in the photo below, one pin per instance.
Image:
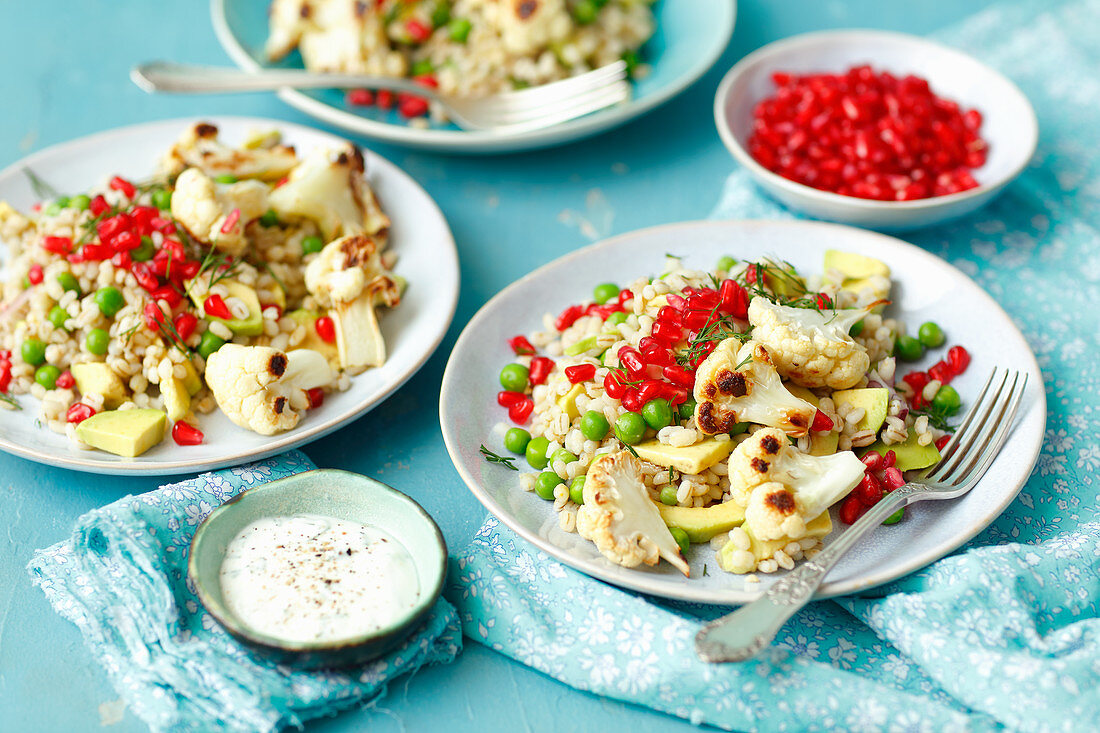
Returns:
(65, 71)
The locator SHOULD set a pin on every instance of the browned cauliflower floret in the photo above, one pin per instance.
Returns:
(199, 148)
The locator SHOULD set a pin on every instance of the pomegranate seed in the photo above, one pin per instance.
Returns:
(668, 314)
(822, 423)
(696, 319)
(734, 299)
(613, 384)
(215, 306)
(679, 375)
(125, 241)
(942, 442)
(121, 184)
(869, 490)
(65, 380)
(669, 333)
(410, 106)
(385, 99)
(427, 80)
(958, 358)
(122, 260)
(632, 400)
(873, 460)
(96, 252)
(98, 206)
(916, 381)
(316, 397)
(57, 245)
(889, 459)
(650, 389)
(632, 360)
(143, 216)
(750, 274)
(658, 356)
(892, 478)
(506, 398)
(186, 434)
(539, 370)
(5, 376)
(418, 32)
(941, 371)
(187, 270)
(568, 317)
(79, 412)
(231, 221)
(851, 510)
(185, 324)
(34, 275)
(360, 97)
(144, 276)
(580, 373)
(324, 326)
(521, 346)
(625, 295)
(676, 301)
(154, 316)
(520, 411)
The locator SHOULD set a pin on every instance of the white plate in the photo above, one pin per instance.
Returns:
(925, 289)
(419, 236)
(690, 36)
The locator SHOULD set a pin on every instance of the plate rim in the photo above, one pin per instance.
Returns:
(463, 141)
(640, 581)
(291, 439)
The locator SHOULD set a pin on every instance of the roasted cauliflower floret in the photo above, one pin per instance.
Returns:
(527, 26)
(334, 35)
(348, 278)
(206, 209)
(783, 489)
(199, 148)
(621, 519)
(811, 347)
(331, 192)
(737, 383)
(262, 389)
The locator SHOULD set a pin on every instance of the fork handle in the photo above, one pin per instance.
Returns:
(165, 76)
(742, 634)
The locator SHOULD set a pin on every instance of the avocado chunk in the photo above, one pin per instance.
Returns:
(177, 400)
(702, 523)
(253, 324)
(97, 377)
(126, 433)
(692, 459)
(910, 454)
(765, 549)
(191, 380)
(568, 401)
(875, 402)
(307, 318)
(858, 271)
(581, 346)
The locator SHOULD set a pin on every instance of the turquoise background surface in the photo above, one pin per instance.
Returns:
(64, 69)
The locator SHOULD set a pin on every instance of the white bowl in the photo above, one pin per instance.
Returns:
(1009, 123)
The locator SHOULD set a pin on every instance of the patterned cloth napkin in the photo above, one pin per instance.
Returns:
(1004, 633)
(122, 579)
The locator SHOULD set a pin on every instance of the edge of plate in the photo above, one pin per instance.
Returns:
(732, 596)
(462, 141)
(289, 440)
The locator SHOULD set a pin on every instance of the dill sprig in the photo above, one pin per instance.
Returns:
(494, 458)
(10, 400)
(220, 266)
(128, 334)
(168, 331)
(42, 189)
(632, 451)
(937, 418)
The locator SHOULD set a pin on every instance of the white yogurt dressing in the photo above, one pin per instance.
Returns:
(311, 578)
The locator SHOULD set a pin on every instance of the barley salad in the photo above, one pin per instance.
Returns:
(246, 279)
(729, 408)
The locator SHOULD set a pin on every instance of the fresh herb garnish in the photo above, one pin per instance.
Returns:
(937, 418)
(220, 266)
(42, 189)
(168, 330)
(10, 400)
(705, 569)
(494, 458)
(632, 451)
(718, 328)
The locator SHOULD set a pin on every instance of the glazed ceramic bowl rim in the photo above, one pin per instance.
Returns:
(786, 45)
(232, 623)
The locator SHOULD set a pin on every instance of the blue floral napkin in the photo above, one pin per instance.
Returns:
(1003, 633)
(122, 579)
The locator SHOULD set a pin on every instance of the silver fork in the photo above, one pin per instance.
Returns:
(742, 634)
(516, 111)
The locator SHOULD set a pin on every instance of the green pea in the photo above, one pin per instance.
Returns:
(930, 335)
(616, 318)
(629, 428)
(311, 245)
(516, 440)
(33, 351)
(162, 199)
(209, 343)
(908, 348)
(109, 300)
(47, 375)
(738, 428)
(546, 483)
(668, 495)
(513, 377)
(594, 425)
(856, 329)
(605, 292)
(269, 218)
(225, 178)
(53, 209)
(632, 60)
(657, 413)
(26, 282)
(97, 341)
(947, 400)
(421, 67)
(458, 29)
(536, 452)
(576, 490)
(58, 316)
(80, 202)
(727, 263)
(145, 250)
(64, 202)
(687, 408)
(68, 281)
(584, 12)
(440, 15)
(681, 538)
(561, 454)
(895, 517)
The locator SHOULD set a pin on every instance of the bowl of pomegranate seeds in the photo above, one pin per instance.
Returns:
(877, 129)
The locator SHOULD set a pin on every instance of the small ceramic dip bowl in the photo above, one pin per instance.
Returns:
(338, 495)
(1009, 123)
